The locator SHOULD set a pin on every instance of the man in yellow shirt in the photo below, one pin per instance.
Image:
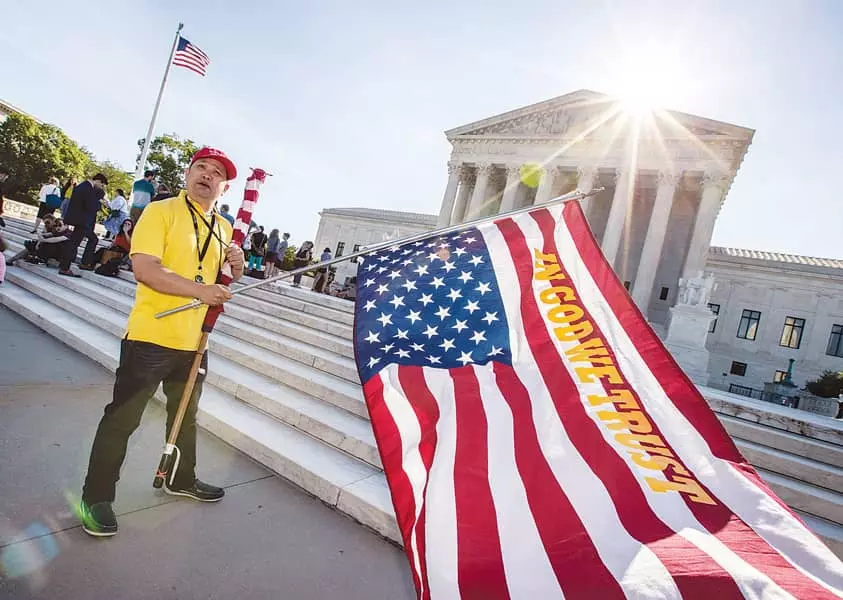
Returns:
(178, 247)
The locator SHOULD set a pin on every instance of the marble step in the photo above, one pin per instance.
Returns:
(830, 533)
(342, 320)
(791, 465)
(792, 420)
(805, 497)
(81, 297)
(800, 445)
(286, 289)
(352, 487)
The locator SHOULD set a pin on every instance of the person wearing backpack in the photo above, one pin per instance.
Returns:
(50, 200)
(302, 259)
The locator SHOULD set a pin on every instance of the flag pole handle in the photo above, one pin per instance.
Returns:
(166, 463)
(575, 195)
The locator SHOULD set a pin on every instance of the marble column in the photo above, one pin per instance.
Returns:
(478, 197)
(714, 185)
(510, 190)
(642, 290)
(545, 190)
(585, 183)
(447, 208)
(617, 215)
(463, 194)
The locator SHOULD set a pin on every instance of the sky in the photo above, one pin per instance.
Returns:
(345, 103)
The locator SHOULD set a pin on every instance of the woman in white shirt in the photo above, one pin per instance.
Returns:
(119, 212)
(50, 197)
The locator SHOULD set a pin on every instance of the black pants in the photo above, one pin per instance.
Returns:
(142, 367)
(79, 233)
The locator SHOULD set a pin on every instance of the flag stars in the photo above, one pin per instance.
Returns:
(490, 317)
(406, 262)
(397, 301)
(443, 312)
(382, 288)
(417, 347)
(437, 282)
(370, 304)
(454, 294)
(401, 334)
(381, 270)
(465, 358)
(434, 360)
(459, 251)
(421, 270)
(414, 316)
(469, 240)
(479, 336)
(448, 266)
(387, 348)
(369, 282)
(447, 344)
(373, 361)
(426, 299)
(373, 337)
(465, 276)
(430, 331)
(386, 319)
(394, 275)
(459, 326)
(483, 288)
(433, 256)
(476, 260)
(471, 306)
(408, 285)
(402, 353)
(495, 351)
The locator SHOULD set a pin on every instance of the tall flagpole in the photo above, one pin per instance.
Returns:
(142, 162)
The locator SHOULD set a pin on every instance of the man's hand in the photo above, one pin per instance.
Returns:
(214, 294)
(236, 260)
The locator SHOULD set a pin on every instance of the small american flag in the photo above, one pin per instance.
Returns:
(190, 56)
(540, 442)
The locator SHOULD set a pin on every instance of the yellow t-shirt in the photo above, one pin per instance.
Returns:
(165, 230)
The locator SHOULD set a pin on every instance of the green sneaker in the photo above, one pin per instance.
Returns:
(98, 519)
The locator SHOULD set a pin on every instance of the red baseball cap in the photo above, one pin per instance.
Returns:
(206, 152)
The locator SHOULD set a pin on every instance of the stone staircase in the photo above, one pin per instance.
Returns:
(282, 387)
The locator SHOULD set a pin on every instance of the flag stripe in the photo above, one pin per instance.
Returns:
(427, 413)
(392, 445)
(673, 509)
(481, 572)
(771, 521)
(633, 564)
(637, 516)
(440, 511)
(554, 516)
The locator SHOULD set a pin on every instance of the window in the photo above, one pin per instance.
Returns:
(792, 332)
(340, 248)
(626, 285)
(715, 308)
(835, 341)
(663, 293)
(353, 250)
(738, 368)
(748, 327)
(779, 376)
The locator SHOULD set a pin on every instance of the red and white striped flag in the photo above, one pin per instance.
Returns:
(540, 442)
(191, 57)
(241, 229)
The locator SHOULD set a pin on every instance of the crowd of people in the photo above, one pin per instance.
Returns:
(58, 236)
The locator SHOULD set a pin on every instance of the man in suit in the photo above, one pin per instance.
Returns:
(82, 214)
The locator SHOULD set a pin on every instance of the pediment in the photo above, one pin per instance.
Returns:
(581, 113)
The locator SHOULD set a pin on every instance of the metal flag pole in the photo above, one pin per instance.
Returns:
(142, 162)
(575, 195)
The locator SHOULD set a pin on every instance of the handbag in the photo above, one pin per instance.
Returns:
(53, 200)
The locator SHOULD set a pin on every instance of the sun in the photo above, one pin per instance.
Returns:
(648, 77)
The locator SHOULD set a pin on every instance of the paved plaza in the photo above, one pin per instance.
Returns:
(267, 539)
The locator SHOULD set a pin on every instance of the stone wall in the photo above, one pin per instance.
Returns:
(13, 208)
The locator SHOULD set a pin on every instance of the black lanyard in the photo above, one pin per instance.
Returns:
(201, 252)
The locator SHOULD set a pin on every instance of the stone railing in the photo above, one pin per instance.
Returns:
(13, 208)
(820, 406)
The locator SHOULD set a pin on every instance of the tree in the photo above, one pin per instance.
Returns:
(169, 156)
(33, 152)
(117, 178)
(829, 385)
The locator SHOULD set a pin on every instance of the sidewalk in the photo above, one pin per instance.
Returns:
(266, 539)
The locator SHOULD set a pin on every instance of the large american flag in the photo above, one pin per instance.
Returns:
(540, 442)
(190, 56)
